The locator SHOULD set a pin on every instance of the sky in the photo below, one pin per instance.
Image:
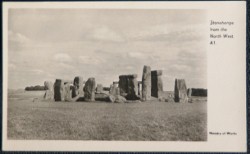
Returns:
(49, 44)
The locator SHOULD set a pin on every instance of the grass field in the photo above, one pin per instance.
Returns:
(157, 121)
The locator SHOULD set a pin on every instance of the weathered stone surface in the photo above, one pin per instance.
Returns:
(114, 90)
(48, 85)
(146, 83)
(102, 97)
(49, 95)
(128, 85)
(59, 90)
(68, 92)
(123, 85)
(106, 89)
(89, 90)
(197, 92)
(132, 85)
(112, 98)
(77, 98)
(99, 88)
(189, 92)
(180, 91)
(78, 86)
(156, 83)
(120, 99)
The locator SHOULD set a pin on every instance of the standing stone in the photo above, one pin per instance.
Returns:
(114, 90)
(48, 85)
(156, 83)
(189, 92)
(68, 92)
(99, 88)
(59, 90)
(132, 87)
(89, 90)
(123, 85)
(78, 86)
(146, 83)
(128, 85)
(180, 91)
(49, 93)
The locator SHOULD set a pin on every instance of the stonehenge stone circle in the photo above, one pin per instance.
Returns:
(156, 83)
(146, 83)
(59, 90)
(89, 90)
(180, 91)
(127, 89)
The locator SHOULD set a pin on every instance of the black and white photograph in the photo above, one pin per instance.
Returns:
(107, 74)
(124, 76)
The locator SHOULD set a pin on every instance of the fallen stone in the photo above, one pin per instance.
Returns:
(102, 97)
(120, 99)
(112, 98)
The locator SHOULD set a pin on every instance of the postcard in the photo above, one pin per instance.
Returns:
(124, 76)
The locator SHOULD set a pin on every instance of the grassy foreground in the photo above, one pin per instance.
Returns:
(158, 121)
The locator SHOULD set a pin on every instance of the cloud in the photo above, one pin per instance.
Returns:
(103, 34)
(17, 37)
(137, 55)
(180, 68)
(37, 71)
(62, 57)
(170, 33)
(91, 60)
(130, 68)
